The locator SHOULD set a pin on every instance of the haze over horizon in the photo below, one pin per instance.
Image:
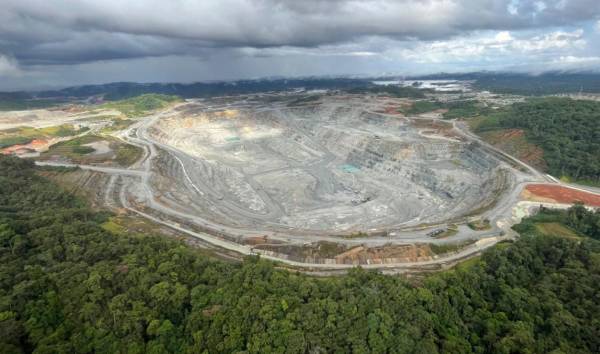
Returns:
(63, 43)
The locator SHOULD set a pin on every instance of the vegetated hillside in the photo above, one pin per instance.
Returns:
(21, 104)
(389, 90)
(567, 130)
(79, 151)
(545, 84)
(121, 90)
(24, 135)
(577, 218)
(465, 109)
(141, 105)
(16, 101)
(455, 109)
(69, 286)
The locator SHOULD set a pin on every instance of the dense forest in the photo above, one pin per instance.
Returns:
(454, 109)
(567, 130)
(69, 286)
(390, 90)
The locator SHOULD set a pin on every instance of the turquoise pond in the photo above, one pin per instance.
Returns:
(350, 168)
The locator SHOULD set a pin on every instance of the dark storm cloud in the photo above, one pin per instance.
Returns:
(61, 31)
(80, 47)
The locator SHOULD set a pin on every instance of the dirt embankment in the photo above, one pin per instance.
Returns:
(35, 145)
(332, 253)
(88, 184)
(559, 194)
(435, 127)
(385, 254)
(513, 142)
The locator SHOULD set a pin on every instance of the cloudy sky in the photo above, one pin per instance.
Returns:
(56, 43)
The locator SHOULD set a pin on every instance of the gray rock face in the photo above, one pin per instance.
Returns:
(336, 165)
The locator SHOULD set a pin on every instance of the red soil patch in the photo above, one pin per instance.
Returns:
(391, 110)
(562, 194)
(436, 127)
(430, 123)
(512, 133)
(38, 143)
(33, 145)
(256, 240)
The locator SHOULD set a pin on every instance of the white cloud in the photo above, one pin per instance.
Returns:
(485, 46)
(566, 62)
(512, 8)
(490, 47)
(553, 40)
(504, 36)
(598, 26)
(8, 66)
(570, 59)
(540, 6)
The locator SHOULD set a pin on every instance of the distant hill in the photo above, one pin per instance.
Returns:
(516, 83)
(121, 90)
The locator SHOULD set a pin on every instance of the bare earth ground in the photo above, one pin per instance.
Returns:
(560, 194)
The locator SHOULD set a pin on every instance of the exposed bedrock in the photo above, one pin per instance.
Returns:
(331, 167)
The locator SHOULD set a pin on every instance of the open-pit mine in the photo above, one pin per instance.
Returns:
(319, 182)
(338, 166)
(329, 182)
